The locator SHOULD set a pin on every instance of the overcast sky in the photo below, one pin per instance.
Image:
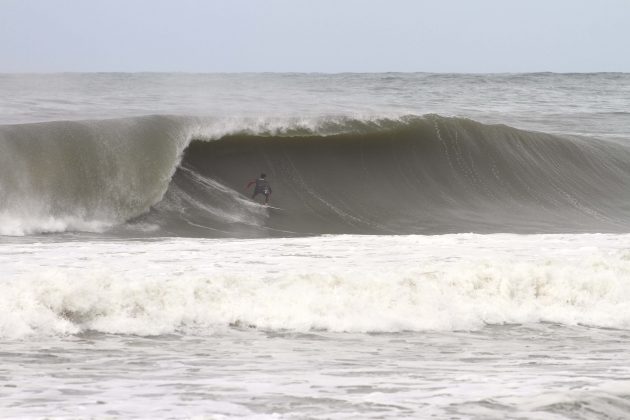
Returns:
(315, 35)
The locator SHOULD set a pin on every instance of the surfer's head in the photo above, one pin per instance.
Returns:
(263, 175)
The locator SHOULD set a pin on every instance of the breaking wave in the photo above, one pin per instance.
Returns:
(436, 294)
(185, 176)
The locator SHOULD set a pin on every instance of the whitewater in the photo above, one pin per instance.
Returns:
(450, 246)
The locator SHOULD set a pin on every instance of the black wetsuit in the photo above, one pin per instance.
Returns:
(262, 187)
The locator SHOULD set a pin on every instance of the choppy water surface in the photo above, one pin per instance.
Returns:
(540, 371)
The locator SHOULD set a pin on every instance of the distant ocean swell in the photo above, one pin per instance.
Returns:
(185, 176)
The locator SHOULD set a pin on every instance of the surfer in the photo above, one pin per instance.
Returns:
(262, 187)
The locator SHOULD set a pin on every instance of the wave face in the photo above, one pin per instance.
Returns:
(186, 176)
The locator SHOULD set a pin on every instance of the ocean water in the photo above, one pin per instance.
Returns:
(441, 246)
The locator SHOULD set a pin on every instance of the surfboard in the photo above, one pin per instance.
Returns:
(268, 206)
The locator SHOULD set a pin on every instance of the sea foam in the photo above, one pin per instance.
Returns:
(342, 284)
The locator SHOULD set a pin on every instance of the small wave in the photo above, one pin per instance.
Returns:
(607, 400)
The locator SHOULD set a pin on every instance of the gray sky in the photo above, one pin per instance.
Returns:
(315, 35)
